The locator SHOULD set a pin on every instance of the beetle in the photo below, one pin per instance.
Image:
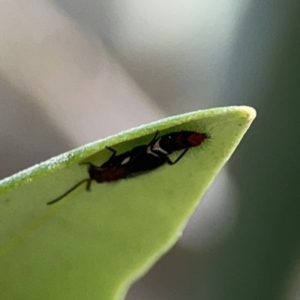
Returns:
(99, 174)
(156, 153)
(140, 159)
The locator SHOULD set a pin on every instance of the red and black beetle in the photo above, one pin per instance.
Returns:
(140, 159)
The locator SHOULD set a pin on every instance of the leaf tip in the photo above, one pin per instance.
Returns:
(250, 111)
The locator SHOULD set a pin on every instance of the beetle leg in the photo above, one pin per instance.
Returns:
(88, 185)
(178, 158)
(114, 152)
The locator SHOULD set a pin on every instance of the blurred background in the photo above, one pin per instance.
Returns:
(72, 72)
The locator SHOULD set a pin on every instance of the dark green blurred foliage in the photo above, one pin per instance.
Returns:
(258, 258)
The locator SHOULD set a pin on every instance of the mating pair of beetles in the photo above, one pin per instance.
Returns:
(141, 159)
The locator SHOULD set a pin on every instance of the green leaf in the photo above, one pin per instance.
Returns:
(94, 245)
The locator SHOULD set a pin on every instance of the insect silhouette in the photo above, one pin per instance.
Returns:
(140, 159)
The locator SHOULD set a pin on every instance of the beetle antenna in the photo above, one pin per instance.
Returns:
(69, 191)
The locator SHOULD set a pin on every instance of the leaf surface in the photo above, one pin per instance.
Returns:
(94, 245)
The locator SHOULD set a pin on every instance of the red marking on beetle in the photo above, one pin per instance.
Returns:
(108, 174)
(196, 138)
